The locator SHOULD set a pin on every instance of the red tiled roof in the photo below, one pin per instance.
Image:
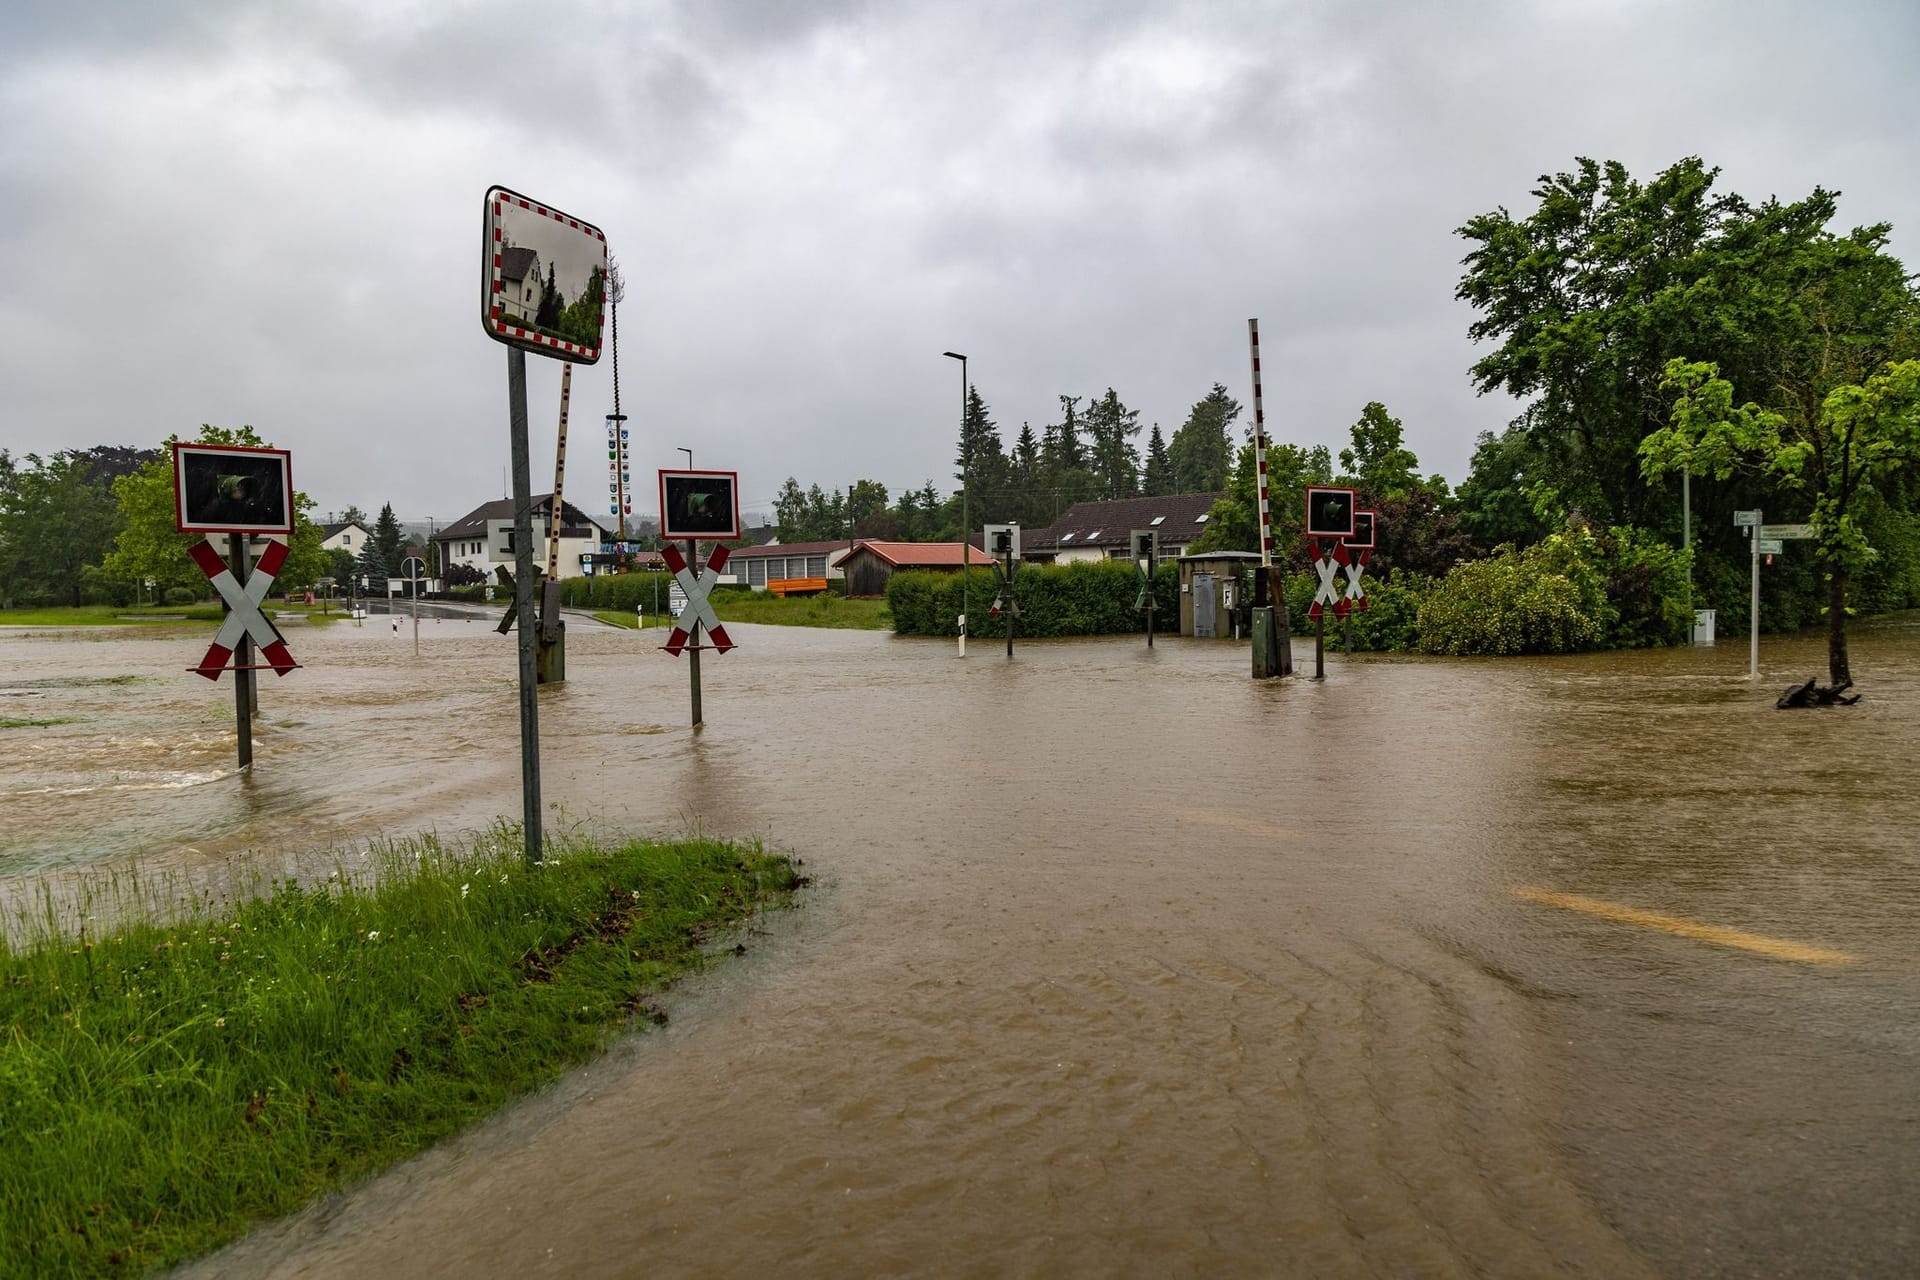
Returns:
(773, 549)
(917, 555)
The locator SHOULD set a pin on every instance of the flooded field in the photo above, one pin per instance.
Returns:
(1119, 962)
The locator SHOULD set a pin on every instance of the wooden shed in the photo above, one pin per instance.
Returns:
(869, 564)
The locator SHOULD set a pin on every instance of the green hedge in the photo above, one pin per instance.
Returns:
(1086, 599)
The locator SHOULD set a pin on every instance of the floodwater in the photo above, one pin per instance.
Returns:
(1119, 962)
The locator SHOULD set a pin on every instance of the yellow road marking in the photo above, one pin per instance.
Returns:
(1227, 820)
(1778, 948)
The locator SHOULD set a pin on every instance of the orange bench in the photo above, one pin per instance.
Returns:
(796, 586)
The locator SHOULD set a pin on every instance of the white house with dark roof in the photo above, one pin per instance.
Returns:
(346, 535)
(483, 538)
(520, 282)
(1098, 530)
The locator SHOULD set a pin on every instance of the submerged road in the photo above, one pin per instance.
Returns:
(1121, 963)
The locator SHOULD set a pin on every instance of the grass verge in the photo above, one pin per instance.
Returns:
(106, 615)
(166, 1085)
(779, 611)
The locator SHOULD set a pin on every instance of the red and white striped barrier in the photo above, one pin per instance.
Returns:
(1260, 447)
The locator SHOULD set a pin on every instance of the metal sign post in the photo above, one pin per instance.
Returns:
(543, 288)
(1145, 544)
(1003, 541)
(414, 570)
(1751, 520)
(238, 491)
(697, 506)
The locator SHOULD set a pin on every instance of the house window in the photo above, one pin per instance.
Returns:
(346, 539)
(816, 566)
(757, 573)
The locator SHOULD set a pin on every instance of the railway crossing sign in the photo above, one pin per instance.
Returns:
(1329, 594)
(244, 601)
(697, 589)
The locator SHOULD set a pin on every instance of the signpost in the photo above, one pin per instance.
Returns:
(543, 284)
(1751, 522)
(239, 492)
(1002, 541)
(1146, 555)
(1330, 525)
(414, 570)
(697, 506)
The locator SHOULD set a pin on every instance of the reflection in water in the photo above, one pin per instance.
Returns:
(1123, 962)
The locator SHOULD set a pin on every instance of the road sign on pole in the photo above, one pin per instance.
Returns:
(1786, 531)
(414, 570)
(1746, 519)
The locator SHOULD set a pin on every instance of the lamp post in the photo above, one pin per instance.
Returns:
(966, 461)
(689, 454)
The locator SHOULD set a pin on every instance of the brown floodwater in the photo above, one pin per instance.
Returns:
(1118, 962)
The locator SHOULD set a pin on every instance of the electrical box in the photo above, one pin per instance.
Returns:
(1230, 593)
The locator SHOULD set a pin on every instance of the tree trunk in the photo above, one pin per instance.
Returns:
(1837, 670)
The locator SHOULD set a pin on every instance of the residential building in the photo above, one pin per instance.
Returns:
(483, 538)
(1098, 530)
(347, 535)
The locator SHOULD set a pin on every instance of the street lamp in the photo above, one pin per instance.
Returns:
(966, 461)
(689, 454)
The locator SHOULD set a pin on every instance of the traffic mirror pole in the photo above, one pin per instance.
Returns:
(523, 572)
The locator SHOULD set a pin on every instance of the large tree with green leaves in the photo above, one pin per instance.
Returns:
(388, 541)
(57, 521)
(1590, 295)
(1201, 451)
(1111, 427)
(1378, 459)
(1858, 435)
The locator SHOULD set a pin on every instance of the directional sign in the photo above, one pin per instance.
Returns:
(1745, 519)
(1786, 531)
(696, 589)
(1772, 546)
(246, 618)
(413, 568)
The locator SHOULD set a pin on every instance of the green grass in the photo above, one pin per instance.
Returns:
(35, 722)
(788, 611)
(164, 1085)
(107, 615)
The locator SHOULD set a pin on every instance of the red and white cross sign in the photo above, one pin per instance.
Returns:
(246, 618)
(1328, 567)
(696, 589)
(1356, 594)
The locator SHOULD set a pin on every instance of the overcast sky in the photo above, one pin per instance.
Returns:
(270, 213)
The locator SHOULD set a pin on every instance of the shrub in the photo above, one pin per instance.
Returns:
(1085, 599)
(1514, 602)
(179, 595)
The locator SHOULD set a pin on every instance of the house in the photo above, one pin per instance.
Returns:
(1098, 530)
(347, 535)
(868, 564)
(520, 283)
(777, 562)
(483, 538)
